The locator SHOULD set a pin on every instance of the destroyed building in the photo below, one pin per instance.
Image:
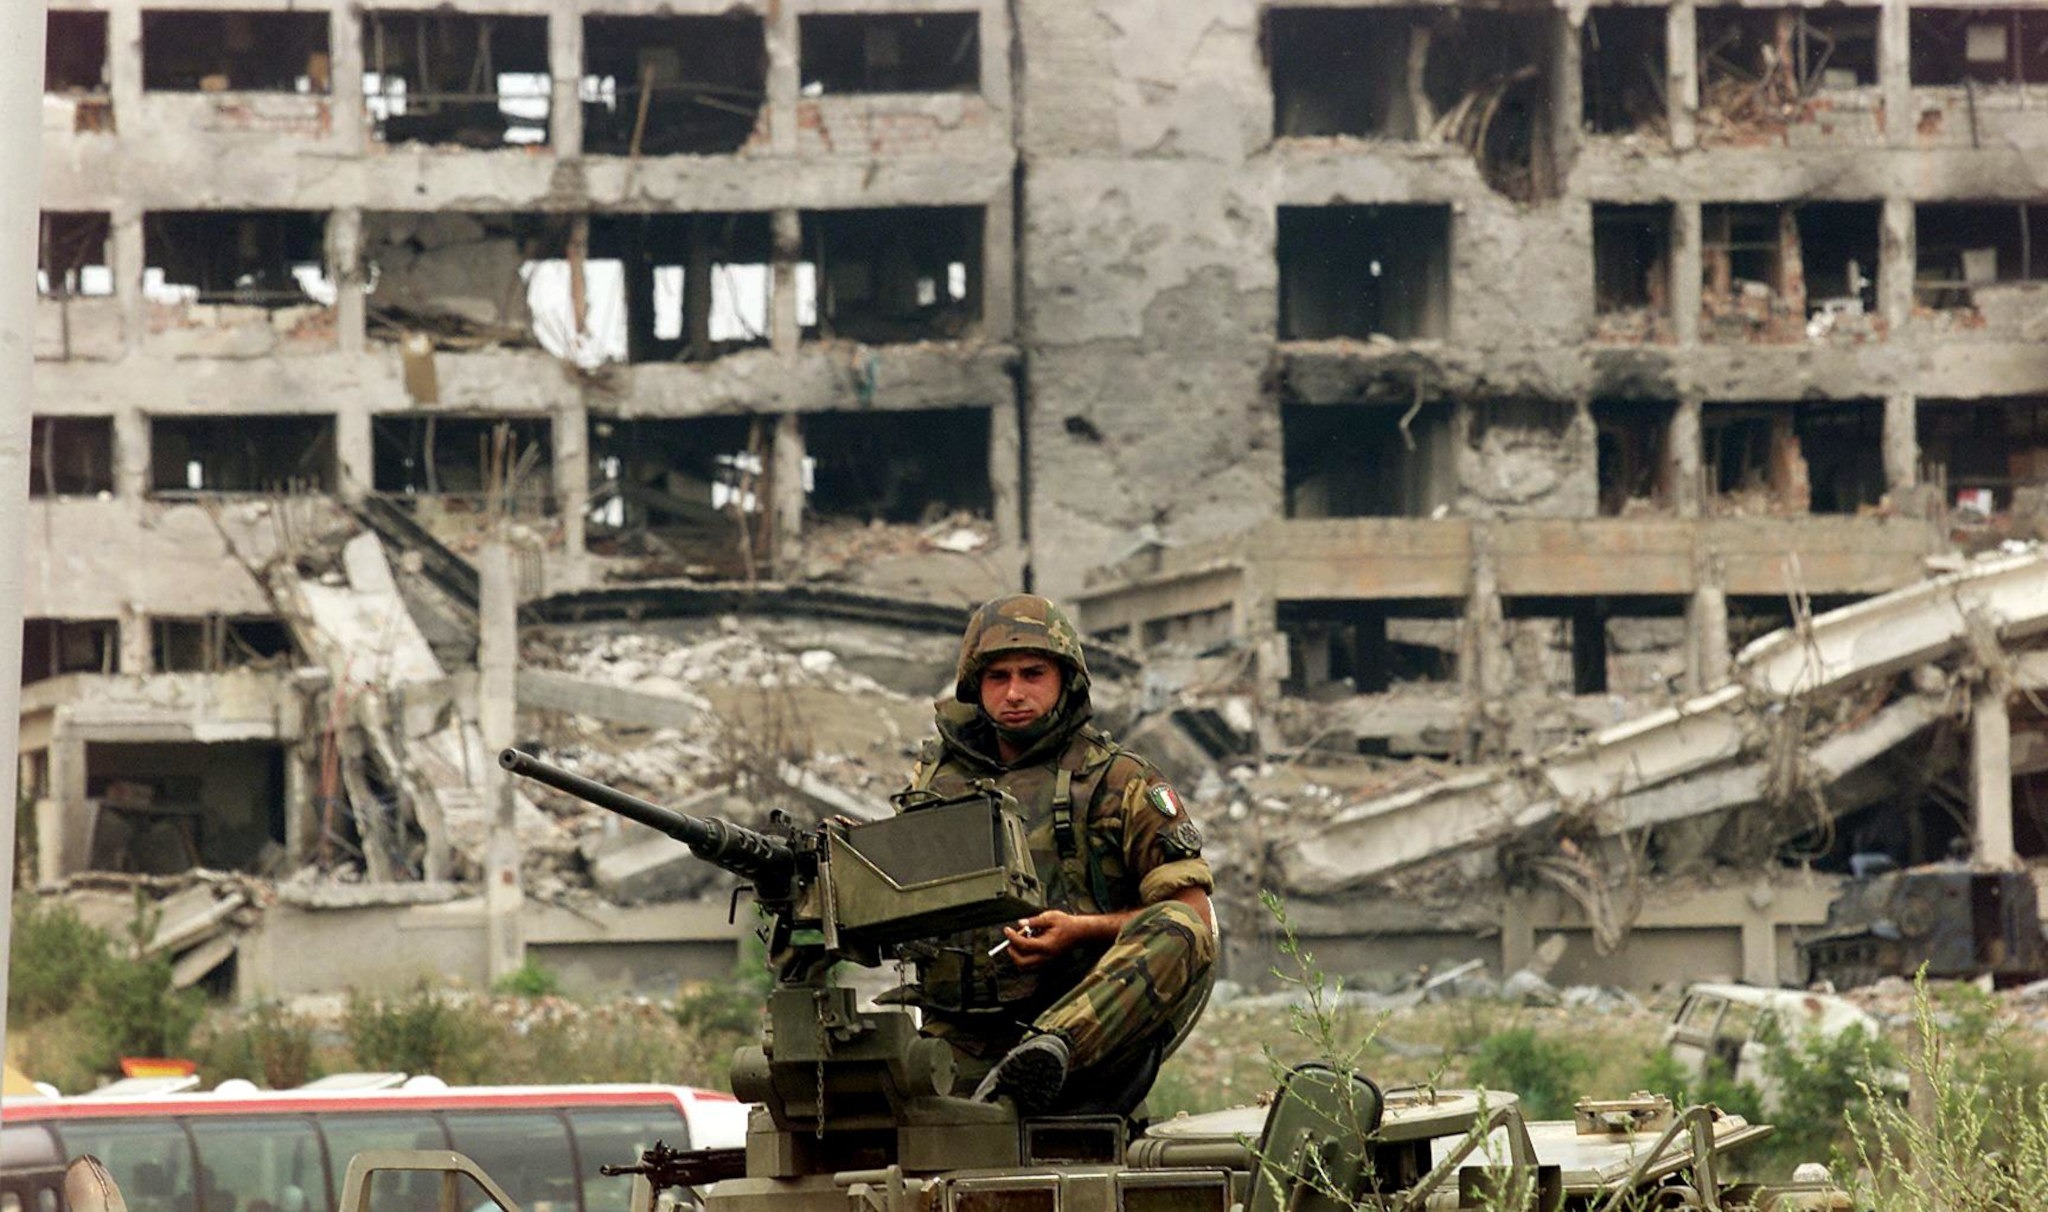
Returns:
(1442, 382)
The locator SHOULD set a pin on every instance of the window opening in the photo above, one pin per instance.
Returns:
(169, 807)
(890, 52)
(1632, 272)
(671, 314)
(474, 459)
(1981, 452)
(1789, 273)
(1795, 458)
(456, 78)
(71, 456)
(1760, 69)
(1366, 460)
(271, 454)
(1370, 647)
(213, 643)
(1633, 463)
(1978, 46)
(886, 276)
(1961, 248)
(686, 496)
(672, 85)
(216, 52)
(1622, 67)
(75, 53)
(1357, 271)
(71, 255)
(258, 258)
(51, 647)
(917, 466)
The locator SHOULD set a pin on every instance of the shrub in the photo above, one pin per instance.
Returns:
(424, 1032)
(266, 1044)
(1545, 1073)
(54, 955)
(530, 979)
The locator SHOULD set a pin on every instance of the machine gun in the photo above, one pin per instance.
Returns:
(841, 1088)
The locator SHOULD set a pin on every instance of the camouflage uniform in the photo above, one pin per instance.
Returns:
(1107, 834)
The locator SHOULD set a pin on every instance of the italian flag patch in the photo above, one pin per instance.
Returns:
(1164, 799)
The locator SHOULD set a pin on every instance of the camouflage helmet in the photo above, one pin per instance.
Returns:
(1021, 622)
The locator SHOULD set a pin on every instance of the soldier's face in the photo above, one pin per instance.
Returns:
(1018, 688)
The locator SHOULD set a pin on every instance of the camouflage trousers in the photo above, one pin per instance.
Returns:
(1140, 995)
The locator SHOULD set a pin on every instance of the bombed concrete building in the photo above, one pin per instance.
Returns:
(1478, 374)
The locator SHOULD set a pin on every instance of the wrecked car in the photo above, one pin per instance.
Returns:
(1729, 1031)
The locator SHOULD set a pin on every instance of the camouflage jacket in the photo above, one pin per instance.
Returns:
(1131, 843)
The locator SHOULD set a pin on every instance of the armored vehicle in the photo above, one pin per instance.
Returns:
(856, 1111)
(1958, 922)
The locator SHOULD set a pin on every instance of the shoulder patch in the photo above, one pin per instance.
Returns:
(1165, 799)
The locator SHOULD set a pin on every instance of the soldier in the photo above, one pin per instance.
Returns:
(1075, 1008)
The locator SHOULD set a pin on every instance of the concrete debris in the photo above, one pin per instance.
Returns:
(194, 918)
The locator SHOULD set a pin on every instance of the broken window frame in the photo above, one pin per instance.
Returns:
(541, 238)
(52, 647)
(632, 512)
(1588, 637)
(1600, 104)
(1804, 72)
(514, 468)
(217, 643)
(273, 33)
(1355, 631)
(2024, 25)
(1942, 293)
(51, 436)
(314, 470)
(165, 232)
(621, 102)
(824, 75)
(386, 96)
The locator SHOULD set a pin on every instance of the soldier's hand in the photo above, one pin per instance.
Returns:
(1036, 940)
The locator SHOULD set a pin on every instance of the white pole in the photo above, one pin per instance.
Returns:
(21, 176)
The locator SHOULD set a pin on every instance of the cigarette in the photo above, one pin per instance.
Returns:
(1000, 947)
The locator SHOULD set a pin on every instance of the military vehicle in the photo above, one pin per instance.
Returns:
(1957, 922)
(856, 1111)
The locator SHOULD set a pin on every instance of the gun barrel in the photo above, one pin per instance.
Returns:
(736, 848)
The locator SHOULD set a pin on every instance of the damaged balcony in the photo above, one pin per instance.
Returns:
(1622, 70)
(1797, 76)
(1980, 267)
(454, 472)
(1364, 271)
(75, 72)
(1988, 459)
(192, 456)
(673, 86)
(456, 281)
(1468, 78)
(238, 72)
(237, 284)
(1785, 273)
(456, 79)
(880, 84)
(690, 287)
(71, 457)
(1792, 459)
(893, 276)
(76, 313)
(1632, 274)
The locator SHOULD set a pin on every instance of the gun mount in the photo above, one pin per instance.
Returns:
(856, 1112)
